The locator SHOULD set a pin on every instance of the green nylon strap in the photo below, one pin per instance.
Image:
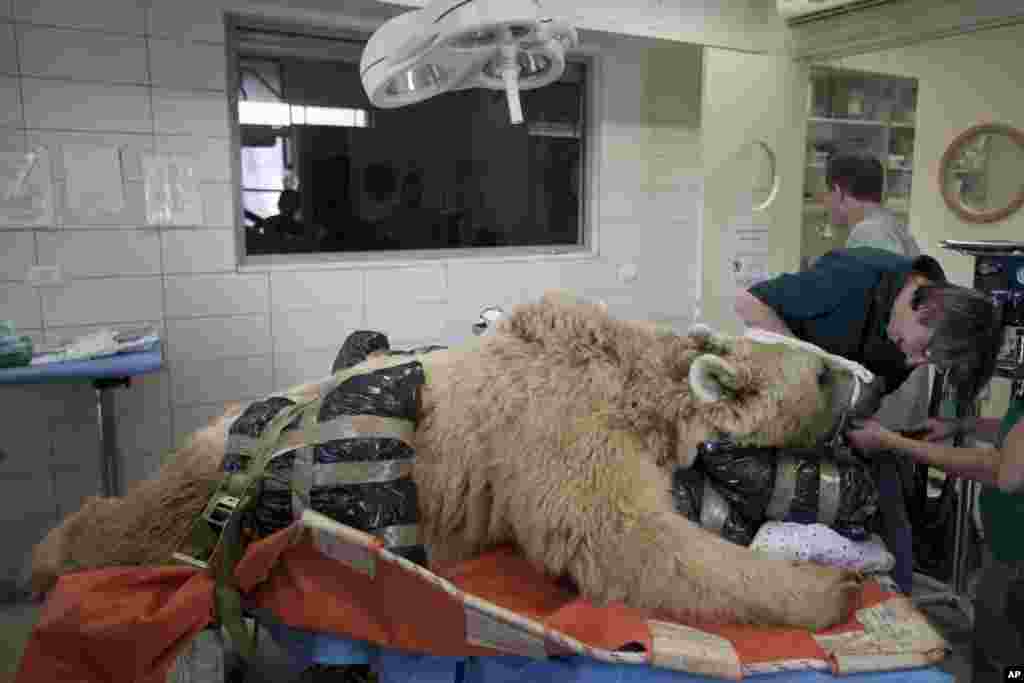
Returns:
(238, 491)
(245, 485)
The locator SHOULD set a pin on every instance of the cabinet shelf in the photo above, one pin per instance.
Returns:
(860, 122)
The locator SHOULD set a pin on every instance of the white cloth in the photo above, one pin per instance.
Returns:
(907, 407)
(819, 543)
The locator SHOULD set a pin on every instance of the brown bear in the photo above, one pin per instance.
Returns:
(559, 432)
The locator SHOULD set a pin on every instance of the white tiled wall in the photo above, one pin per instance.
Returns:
(150, 75)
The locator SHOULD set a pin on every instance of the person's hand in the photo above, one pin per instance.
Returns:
(868, 435)
(938, 429)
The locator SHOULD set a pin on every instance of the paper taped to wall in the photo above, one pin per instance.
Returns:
(26, 189)
(748, 247)
(172, 190)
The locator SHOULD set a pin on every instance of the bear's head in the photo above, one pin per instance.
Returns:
(765, 389)
(677, 390)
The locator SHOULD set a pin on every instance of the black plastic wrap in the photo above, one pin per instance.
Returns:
(688, 497)
(746, 478)
(389, 392)
(357, 347)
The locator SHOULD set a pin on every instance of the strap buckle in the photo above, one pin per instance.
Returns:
(220, 509)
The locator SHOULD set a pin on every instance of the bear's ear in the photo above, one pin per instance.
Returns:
(712, 378)
(709, 340)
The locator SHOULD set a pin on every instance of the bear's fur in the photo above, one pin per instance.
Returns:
(558, 433)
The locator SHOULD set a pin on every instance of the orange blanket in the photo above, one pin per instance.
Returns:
(128, 624)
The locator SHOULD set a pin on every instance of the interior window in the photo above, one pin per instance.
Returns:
(322, 170)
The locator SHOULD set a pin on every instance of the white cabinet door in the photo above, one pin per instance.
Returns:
(748, 98)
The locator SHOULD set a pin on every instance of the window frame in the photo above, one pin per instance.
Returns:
(350, 30)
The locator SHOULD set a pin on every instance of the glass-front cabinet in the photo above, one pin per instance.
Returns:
(855, 111)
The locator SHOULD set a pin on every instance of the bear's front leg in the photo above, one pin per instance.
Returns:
(607, 519)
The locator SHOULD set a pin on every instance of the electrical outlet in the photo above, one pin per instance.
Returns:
(45, 276)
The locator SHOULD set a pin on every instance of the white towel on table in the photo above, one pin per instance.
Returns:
(819, 543)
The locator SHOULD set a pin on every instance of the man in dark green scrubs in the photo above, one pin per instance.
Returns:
(885, 311)
(891, 313)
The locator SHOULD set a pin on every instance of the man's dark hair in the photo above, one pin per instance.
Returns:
(858, 174)
(967, 334)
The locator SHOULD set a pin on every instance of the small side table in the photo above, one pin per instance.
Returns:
(105, 374)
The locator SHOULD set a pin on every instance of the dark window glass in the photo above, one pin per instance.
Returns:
(322, 170)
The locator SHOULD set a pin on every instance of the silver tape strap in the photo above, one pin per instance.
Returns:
(302, 480)
(348, 473)
(399, 535)
(785, 488)
(240, 443)
(829, 492)
(302, 468)
(714, 509)
(361, 427)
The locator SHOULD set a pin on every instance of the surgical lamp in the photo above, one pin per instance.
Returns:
(451, 45)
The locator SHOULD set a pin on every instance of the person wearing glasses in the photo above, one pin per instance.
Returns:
(888, 312)
(892, 314)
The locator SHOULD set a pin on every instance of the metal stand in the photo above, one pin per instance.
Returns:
(106, 418)
(954, 594)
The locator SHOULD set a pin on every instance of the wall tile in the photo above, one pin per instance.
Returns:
(89, 253)
(221, 380)
(73, 484)
(407, 304)
(6, 9)
(218, 204)
(211, 338)
(321, 328)
(191, 113)
(82, 55)
(114, 16)
(212, 295)
(12, 139)
(144, 443)
(113, 300)
(20, 303)
(17, 254)
(128, 212)
(27, 448)
(211, 156)
(148, 394)
(187, 419)
(131, 147)
(182, 65)
(8, 46)
(10, 102)
(198, 251)
(65, 105)
(29, 500)
(291, 369)
(412, 324)
(188, 19)
(421, 284)
(73, 429)
(297, 290)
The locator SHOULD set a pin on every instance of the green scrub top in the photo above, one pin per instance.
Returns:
(1003, 513)
(844, 302)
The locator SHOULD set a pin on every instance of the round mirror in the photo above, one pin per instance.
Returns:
(756, 162)
(982, 173)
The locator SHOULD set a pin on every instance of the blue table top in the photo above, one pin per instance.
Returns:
(110, 367)
(307, 648)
